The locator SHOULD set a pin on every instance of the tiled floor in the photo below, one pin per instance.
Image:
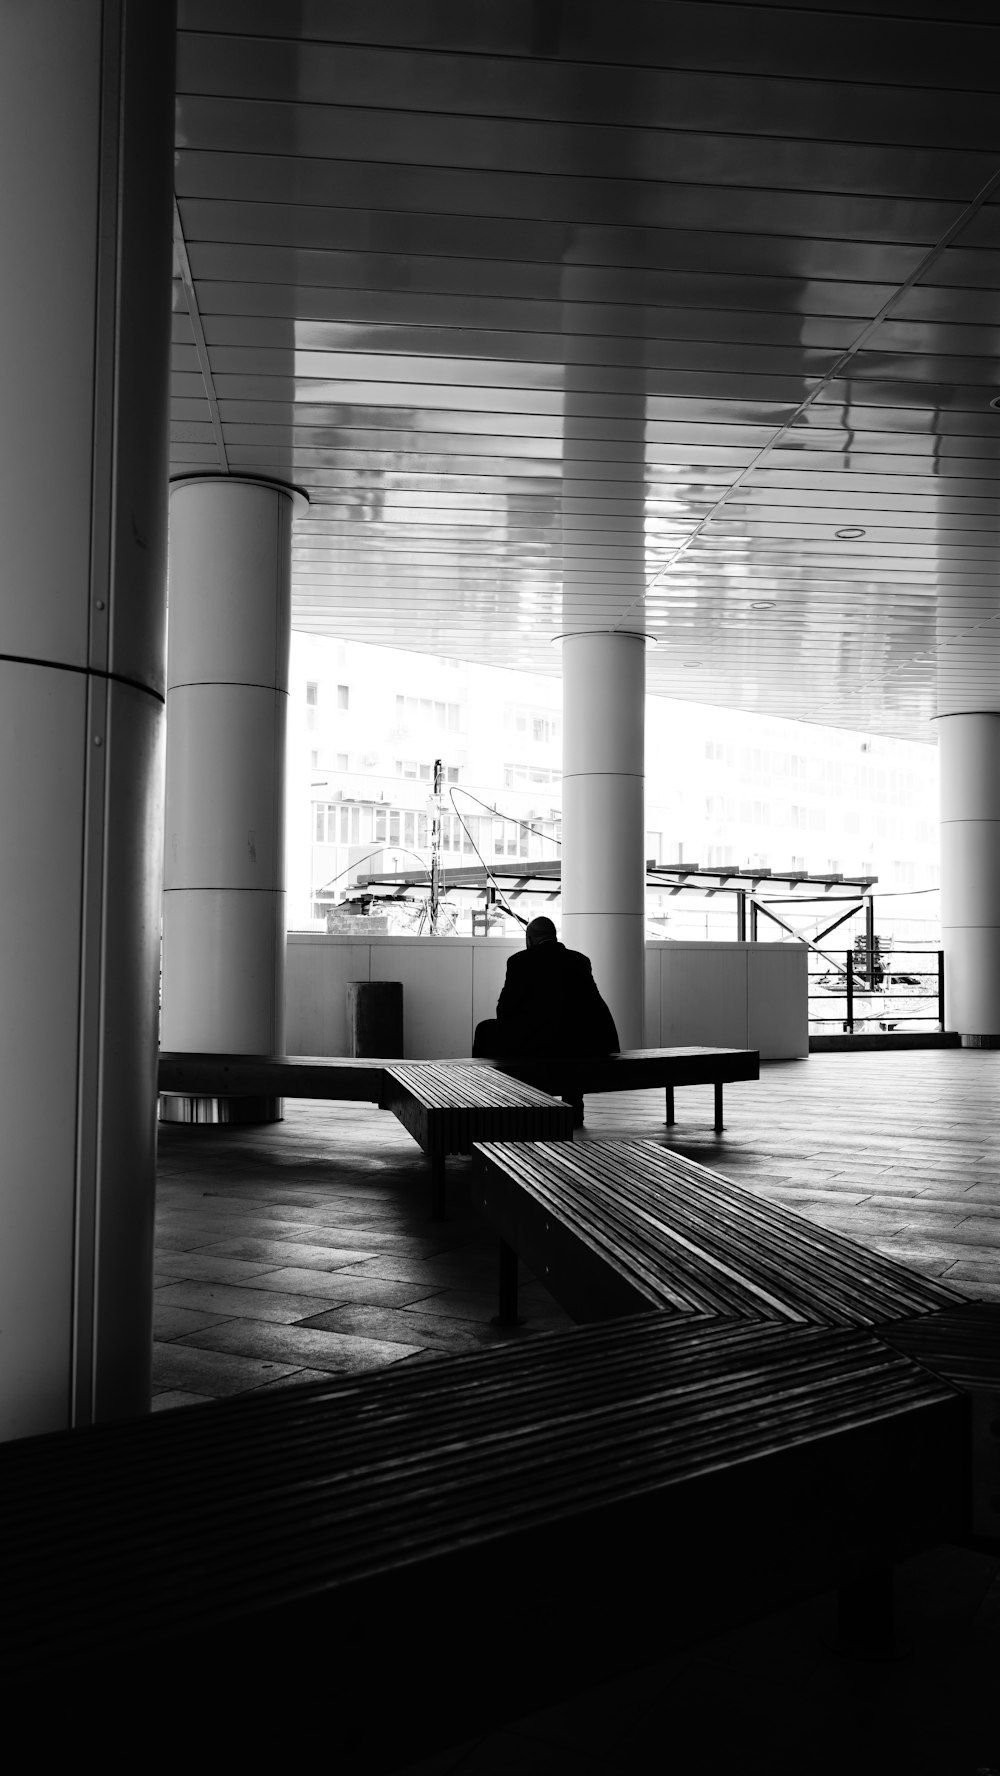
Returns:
(288, 1252)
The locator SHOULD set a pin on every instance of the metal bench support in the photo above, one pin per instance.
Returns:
(718, 1107)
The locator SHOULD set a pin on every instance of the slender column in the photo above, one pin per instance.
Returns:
(86, 139)
(603, 868)
(970, 874)
(604, 691)
(224, 871)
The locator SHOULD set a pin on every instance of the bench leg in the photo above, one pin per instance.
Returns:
(437, 1186)
(670, 1106)
(507, 1315)
(718, 1109)
(865, 1617)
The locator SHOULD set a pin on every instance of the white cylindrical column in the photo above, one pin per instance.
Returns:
(86, 147)
(604, 686)
(970, 874)
(227, 701)
(603, 867)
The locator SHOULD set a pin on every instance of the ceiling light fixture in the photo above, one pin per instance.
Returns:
(850, 533)
(995, 403)
(763, 604)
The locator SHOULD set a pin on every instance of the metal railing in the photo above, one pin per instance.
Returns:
(879, 990)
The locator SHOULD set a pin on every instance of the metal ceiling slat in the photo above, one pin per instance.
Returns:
(412, 259)
(346, 132)
(506, 89)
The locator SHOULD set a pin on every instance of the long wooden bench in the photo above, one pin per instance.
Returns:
(432, 1105)
(445, 1105)
(612, 1227)
(639, 1069)
(530, 1520)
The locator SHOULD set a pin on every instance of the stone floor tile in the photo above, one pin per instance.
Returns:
(233, 1301)
(276, 1252)
(171, 1319)
(296, 1378)
(985, 1269)
(408, 1326)
(337, 1286)
(212, 1372)
(536, 1307)
(171, 1397)
(391, 1269)
(171, 1239)
(296, 1346)
(211, 1268)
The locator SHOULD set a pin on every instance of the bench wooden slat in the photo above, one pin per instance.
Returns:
(246, 1504)
(636, 1069)
(610, 1226)
(278, 1076)
(793, 1258)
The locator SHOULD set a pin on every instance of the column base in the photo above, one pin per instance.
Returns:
(248, 1109)
(979, 1041)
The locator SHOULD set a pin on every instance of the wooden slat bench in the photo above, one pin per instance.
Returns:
(640, 1069)
(445, 1105)
(448, 1107)
(530, 1520)
(612, 1227)
(270, 1076)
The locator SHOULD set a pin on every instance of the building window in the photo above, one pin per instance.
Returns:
(312, 701)
(530, 776)
(540, 724)
(343, 697)
(381, 818)
(341, 761)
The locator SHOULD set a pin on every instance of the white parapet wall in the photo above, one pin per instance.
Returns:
(727, 995)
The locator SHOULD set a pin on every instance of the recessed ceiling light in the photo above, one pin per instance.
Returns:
(850, 533)
(689, 665)
(764, 604)
(996, 402)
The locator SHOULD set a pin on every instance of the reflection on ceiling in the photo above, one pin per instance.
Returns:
(668, 315)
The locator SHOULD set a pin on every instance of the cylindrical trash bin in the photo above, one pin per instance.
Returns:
(375, 1019)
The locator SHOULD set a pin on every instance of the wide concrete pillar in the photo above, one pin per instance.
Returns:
(970, 874)
(227, 701)
(603, 867)
(86, 141)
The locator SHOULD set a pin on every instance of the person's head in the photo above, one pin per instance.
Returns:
(539, 931)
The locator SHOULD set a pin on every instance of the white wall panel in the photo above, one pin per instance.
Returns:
(651, 1022)
(721, 995)
(436, 973)
(318, 969)
(703, 995)
(777, 1000)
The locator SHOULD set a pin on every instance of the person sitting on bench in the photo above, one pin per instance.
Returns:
(549, 1005)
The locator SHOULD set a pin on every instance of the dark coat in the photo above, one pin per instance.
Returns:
(550, 1005)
